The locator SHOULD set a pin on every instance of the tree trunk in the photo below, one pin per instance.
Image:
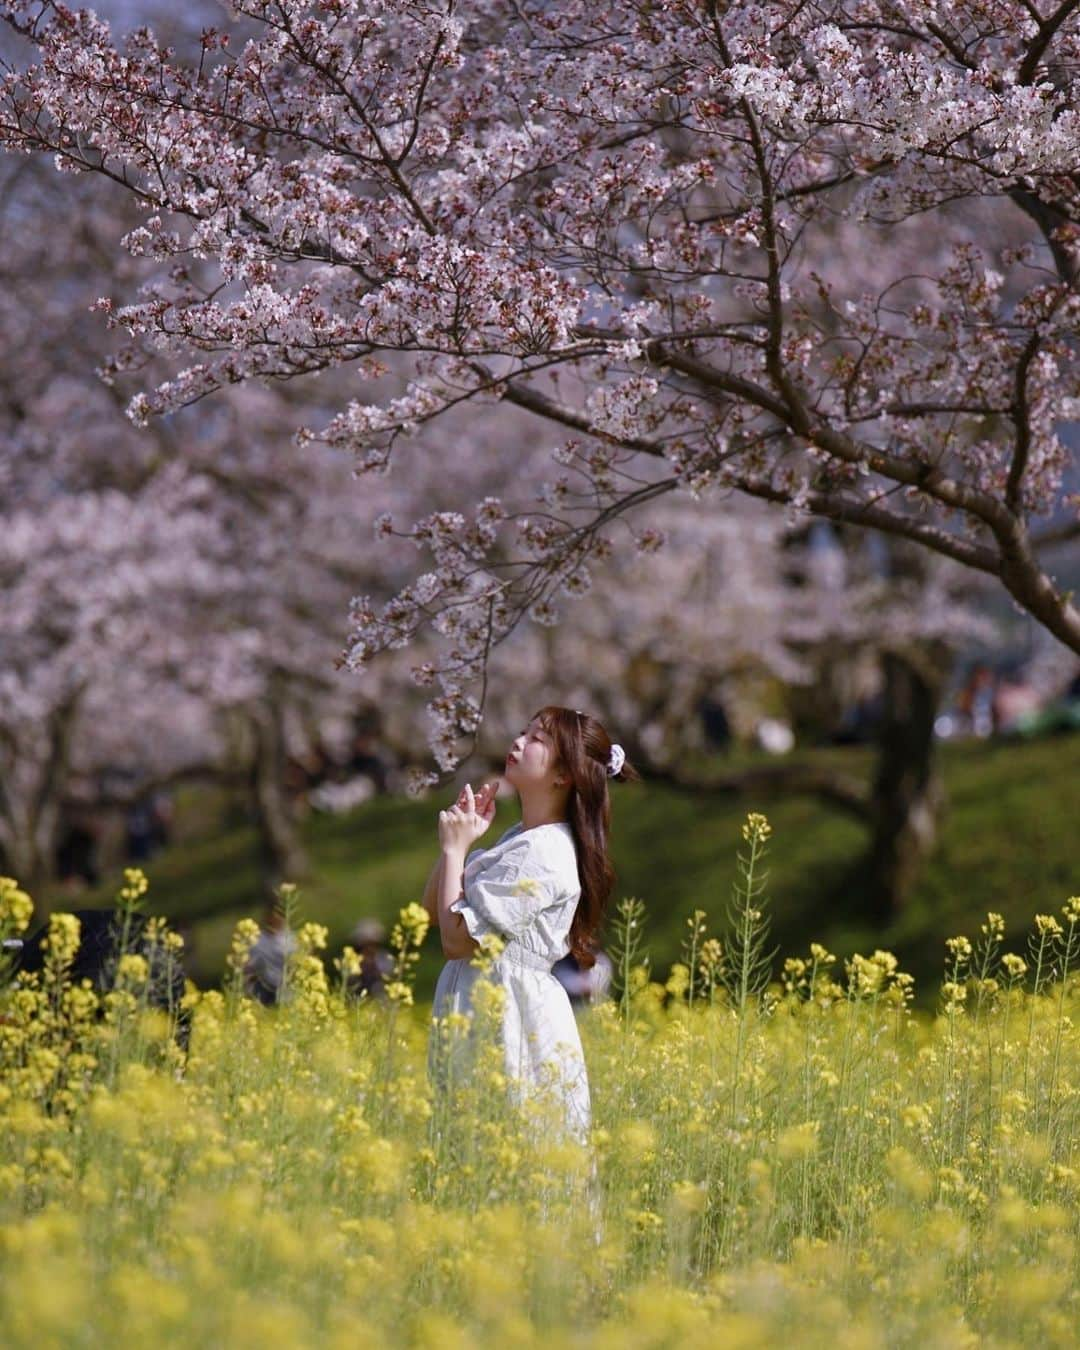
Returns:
(21, 857)
(30, 805)
(907, 794)
(281, 854)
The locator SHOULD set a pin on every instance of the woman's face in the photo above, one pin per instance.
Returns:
(531, 760)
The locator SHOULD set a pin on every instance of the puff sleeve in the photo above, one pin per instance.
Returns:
(508, 894)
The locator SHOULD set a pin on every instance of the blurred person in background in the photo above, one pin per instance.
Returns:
(264, 971)
(584, 986)
(105, 935)
(368, 940)
(148, 826)
(77, 853)
(976, 702)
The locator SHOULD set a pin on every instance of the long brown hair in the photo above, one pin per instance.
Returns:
(583, 749)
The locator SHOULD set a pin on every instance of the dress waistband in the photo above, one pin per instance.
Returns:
(515, 954)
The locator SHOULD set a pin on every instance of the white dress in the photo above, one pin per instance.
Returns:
(525, 888)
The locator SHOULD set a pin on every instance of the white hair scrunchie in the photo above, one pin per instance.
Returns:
(616, 760)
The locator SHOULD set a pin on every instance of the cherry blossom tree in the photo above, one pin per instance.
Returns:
(615, 219)
(731, 601)
(92, 523)
(820, 256)
(171, 606)
(737, 603)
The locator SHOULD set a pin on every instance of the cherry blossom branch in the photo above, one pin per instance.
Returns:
(1061, 534)
(855, 510)
(1048, 28)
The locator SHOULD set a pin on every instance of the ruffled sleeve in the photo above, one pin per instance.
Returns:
(507, 895)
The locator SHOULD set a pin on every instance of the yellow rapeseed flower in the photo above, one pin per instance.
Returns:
(798, 1141)
(415, 921)
(244, 937)
(488, 949)
(397, 991)
(312, 937)
(16, 908)
(906, 1173)
(711, 957)
(955, 995)
(636, 1141)
(678, 981)
(349, 963)
(688, 1197)
(62, 940)
(756, 828)
(1015, 966)
(132, 970)
(135, 886)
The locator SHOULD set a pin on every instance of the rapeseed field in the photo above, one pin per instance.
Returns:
(780, 1149)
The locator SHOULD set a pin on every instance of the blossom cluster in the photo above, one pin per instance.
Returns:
(821, 259)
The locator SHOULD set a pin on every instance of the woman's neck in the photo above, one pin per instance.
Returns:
(544, 809)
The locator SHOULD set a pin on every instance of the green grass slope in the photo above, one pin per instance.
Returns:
(1009, 842)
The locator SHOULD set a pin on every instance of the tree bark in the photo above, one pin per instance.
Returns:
(908, 794)
(905, 800)
(282, 856)
(30, 812)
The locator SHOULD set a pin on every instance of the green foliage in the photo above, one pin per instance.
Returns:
(627, 949)
(749, 966)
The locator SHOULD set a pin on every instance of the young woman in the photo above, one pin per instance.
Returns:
(542, 888)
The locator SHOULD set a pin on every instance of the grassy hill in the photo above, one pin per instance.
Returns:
(1010, 842)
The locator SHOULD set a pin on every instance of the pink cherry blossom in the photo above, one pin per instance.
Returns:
(827, 261)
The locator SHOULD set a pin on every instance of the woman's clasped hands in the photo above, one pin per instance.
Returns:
(464, 822)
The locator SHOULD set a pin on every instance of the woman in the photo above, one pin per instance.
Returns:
(542, 888)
